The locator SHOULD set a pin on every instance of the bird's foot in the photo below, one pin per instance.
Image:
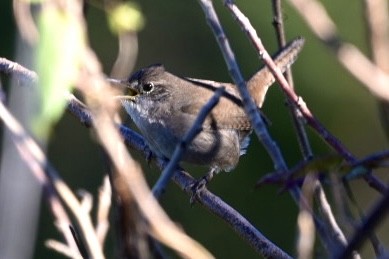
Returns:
(197, 187)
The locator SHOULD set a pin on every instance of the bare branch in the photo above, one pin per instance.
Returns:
(104, 205)
(298, 119)
(10, 67)
(377, 20)
(25, 21)
(61, 248)
(305, 221)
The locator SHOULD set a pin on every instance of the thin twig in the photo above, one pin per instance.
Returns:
(25, 21)
(24, 74)
(61, 248)
(297, 117)
(338, 239)
(104, 205)
(377, 23)
(86, 200)
(372, 160)
(278, 23)
(82, 217)
(305, 222)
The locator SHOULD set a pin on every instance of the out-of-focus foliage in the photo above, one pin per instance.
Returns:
(125, 17)
(61, 39)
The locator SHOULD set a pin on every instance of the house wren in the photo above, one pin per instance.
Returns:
(164, 107)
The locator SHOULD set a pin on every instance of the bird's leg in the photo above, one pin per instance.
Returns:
(201, 183)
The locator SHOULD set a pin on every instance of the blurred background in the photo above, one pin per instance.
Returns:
(176, 35)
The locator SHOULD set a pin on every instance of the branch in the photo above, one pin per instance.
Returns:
(104, 205)
(24, 74)
(232, 217)
(298, 119)
(61, 248)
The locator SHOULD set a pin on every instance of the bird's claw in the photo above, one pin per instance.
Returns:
(196, 188)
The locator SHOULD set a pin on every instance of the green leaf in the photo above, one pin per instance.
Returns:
(61, 42)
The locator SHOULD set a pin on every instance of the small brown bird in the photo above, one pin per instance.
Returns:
(164, 107)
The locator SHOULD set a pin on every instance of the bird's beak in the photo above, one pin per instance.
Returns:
(129, 91)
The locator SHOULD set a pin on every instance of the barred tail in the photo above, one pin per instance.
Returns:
(263, 79)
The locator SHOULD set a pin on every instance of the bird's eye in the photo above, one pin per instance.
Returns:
(148, 87)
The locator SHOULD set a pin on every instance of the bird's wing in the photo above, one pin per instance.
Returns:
(227, 114)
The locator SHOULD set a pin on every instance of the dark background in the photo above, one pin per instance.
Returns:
(177, 35)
